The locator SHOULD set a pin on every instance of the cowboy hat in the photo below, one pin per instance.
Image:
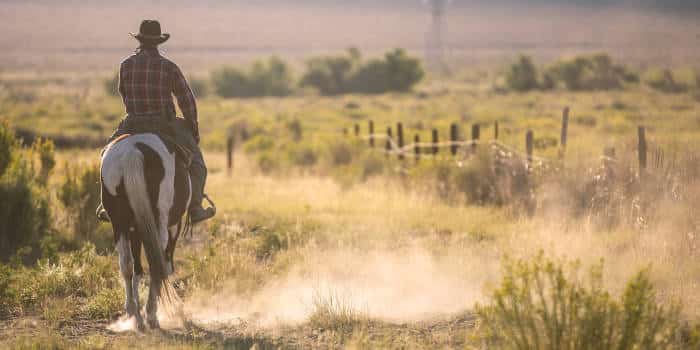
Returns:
(149, 32)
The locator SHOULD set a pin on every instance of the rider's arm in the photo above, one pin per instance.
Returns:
(185, 100)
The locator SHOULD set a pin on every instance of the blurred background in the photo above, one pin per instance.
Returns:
(74, 35)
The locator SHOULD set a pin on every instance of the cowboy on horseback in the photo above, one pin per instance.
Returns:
(147, 82)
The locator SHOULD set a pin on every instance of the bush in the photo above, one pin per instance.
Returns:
(267, 162)
(372, 165)
(24, 208)
(111, 85)
(264, 78)
(522, 75)
(295, 129)
(330, 75)
(8, 144)
(45, 149)
(397, 72)
(199, 87)
(341, 153)
(596, 72)
(348, 74)
(80, 195)
(544, 304)
(303, 156)
(665, 82)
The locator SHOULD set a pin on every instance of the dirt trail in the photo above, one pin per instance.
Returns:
(440, 332)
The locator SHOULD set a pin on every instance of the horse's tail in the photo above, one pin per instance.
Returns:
(144, 215)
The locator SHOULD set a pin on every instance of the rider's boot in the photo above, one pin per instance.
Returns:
(198, 176)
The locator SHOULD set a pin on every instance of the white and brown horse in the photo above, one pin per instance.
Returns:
(146, 192)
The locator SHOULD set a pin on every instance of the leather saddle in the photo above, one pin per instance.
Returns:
(182, 153)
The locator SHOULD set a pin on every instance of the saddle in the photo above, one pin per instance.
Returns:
(182, 154)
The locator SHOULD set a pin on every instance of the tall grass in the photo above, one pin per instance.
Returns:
(332, 311)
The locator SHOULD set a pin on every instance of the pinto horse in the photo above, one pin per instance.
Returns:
(146, 191)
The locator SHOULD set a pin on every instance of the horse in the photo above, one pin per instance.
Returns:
(146, 191)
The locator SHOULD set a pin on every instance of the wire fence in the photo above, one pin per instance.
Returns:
(462, 150)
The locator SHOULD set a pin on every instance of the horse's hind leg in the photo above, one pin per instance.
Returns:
(138, 275)
(152, 306)
(126, 265)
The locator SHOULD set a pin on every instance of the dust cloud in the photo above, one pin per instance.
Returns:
(406, 285)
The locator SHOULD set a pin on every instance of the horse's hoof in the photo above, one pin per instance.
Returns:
(154, 324)
(140, 326)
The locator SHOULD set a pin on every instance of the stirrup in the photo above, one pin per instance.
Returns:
(101, 214)
(211, 203)
(203, 213)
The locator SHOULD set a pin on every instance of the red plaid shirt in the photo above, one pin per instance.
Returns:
(147, 83)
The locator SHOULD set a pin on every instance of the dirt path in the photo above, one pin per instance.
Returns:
(446, 332)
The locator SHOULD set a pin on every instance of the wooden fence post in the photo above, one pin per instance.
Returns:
(416, 147)
(357, 129)
(371, 134)
(229, 154)
(495, 130)
(476, 131)
(642, 149)
(564, 131)
(453, 138)
(388, 145)
(435, 142)
(529, 138)
(399, 136)
(609, 159)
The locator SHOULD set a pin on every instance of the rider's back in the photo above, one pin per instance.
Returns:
(147, 82)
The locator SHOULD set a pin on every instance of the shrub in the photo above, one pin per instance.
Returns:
(231, 82)
(372, 165)
(522, 75)
(8, 144)
(45, 149)
(199, 87)
(334, 75)
(396, 72)
(303, 156)
(665, 82)
(267, 163)
(295, 129)
(24, 208)
(476, 180)
(595, 72)
(111, 85)
(545, 304)
(264, 78)
(330, 75)
(341, 153)
(259, 143)
(80, 195)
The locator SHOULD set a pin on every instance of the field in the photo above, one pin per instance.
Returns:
(322, 241)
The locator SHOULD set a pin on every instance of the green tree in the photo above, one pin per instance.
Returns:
(522, 75)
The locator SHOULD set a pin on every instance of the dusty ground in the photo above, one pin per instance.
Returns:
(447, 332)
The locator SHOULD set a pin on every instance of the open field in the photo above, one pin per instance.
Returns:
(272, 269)
(321, 241)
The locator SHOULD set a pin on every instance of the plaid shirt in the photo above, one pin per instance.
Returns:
(147, 82)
